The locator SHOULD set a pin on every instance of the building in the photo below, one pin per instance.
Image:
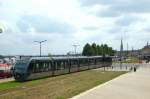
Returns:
(1, 59)
(129, 53)
(145, 52)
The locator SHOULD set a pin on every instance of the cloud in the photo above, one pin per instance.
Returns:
(114, 30)
(132, 6)
(95, 2)
(147, 29)
(0, 4)
(118, 7)
(91, 28)
(127, 20)
(107, 13)
(66, 22)
(43, 24)
(7, 28)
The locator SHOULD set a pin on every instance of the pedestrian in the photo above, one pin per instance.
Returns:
(131, 69)
(134, 69)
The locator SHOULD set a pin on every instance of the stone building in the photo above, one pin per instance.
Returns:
(145, 52)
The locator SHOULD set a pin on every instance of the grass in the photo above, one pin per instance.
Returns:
(14, 84)
(59, 87)
(130, 60)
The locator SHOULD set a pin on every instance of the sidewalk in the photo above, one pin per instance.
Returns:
(6, 80)
(133, 85)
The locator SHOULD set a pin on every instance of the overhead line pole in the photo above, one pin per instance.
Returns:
(121, 53)
(40, 42)
(75, 48)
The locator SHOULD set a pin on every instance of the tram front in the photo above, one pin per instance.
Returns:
(20, 70)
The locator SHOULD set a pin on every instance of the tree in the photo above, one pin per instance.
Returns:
(95, 50)
(102, 49)
(99, 50)
(88, 50)
(1, 31)
(105, 49)
(111, 51)
(49, 55)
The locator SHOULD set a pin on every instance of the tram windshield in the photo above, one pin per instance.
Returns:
(21, 64)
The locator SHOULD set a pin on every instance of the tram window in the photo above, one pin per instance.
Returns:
(60, 65)
(55, 66)
(63, 65)
(49, 66)
(99, 60)
(83, 62)
(74, 63)
(92, 61)
(37, 67)
(46, 67)
(43, 67)
(66, 64)
(31, 67)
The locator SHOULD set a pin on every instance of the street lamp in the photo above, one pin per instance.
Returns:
(75, 48)
(40, 42)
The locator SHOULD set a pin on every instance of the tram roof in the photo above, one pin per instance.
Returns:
(65, 57)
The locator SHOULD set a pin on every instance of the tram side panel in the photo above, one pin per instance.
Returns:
(39, 69)
(99, 62)
(61, 67)
(84, 64)
(107, 61)
(91, 63)
(74, 65)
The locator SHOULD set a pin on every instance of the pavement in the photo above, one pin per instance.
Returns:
(6, 80)
(133, 85)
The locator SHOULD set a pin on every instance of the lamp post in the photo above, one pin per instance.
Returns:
(40, 42)
(75, 48)
(121, 53)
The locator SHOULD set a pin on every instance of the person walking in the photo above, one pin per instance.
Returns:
(134, 69)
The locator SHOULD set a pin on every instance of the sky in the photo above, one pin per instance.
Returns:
(64, 23)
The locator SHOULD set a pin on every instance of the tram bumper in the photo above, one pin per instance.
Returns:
(19, 76)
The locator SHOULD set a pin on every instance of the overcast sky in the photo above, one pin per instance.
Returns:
(66, 22)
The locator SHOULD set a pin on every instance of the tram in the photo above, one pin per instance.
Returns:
(39, 67)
